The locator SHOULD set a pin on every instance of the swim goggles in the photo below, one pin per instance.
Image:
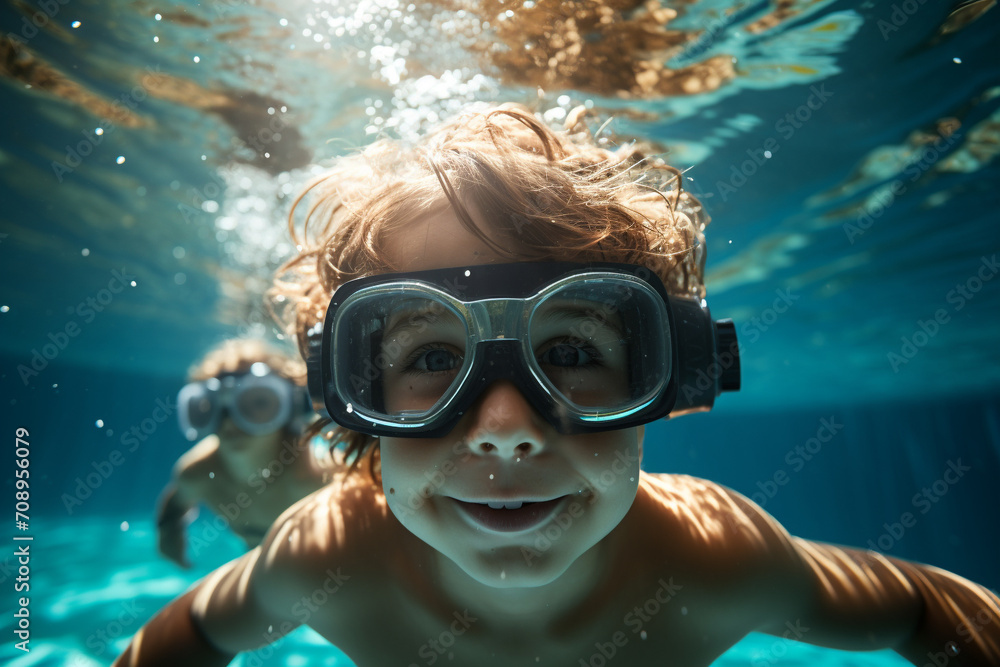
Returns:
(592, 347)
(259, 403)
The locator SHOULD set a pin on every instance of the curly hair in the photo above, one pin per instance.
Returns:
(537, 193)
(237, 355)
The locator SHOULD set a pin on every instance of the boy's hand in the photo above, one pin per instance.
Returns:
(173, 543)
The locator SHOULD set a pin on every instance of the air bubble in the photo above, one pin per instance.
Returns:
(99, 423)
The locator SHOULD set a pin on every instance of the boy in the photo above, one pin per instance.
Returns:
(496, 417)
(242, 399)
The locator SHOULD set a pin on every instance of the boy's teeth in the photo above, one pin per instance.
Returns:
(507, 505)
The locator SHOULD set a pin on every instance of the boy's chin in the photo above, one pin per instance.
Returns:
(514, 567)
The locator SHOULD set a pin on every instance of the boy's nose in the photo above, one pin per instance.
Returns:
(504, 424)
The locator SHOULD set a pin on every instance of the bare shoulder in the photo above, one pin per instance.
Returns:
(330, 534)
(192, 469)
(715, 533)
(711, 512)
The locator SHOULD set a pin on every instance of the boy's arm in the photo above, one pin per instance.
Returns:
(858, 599)
(207, 626)
(171, 638)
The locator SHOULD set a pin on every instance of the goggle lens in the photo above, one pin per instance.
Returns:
(402, 353)
(200, 410)
(258, 405)
(580, 337)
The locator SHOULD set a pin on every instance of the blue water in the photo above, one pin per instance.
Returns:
(874, 219)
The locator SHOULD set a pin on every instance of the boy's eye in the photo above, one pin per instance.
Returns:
(436, 360)
(565, 355)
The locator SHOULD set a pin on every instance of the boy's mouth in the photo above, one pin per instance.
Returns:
(509, 516)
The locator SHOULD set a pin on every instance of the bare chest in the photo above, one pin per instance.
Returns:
(250, 508)
(637, 636)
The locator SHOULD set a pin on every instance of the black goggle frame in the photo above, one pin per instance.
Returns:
(704, 355)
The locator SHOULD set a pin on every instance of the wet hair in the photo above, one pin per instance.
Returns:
(529, 192)
(236, 356)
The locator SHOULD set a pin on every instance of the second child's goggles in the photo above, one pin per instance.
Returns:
(592, 347)
(259, 403)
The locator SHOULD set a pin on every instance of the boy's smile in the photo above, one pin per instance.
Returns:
(505, 496)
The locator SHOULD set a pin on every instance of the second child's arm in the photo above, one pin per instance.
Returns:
(171, 523)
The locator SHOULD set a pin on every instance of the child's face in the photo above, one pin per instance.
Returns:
(233, 438)
(503, 450)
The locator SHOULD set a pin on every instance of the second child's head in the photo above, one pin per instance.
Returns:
(491, 188)
(246, 391)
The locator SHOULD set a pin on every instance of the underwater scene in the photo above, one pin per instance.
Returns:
(845, 151)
